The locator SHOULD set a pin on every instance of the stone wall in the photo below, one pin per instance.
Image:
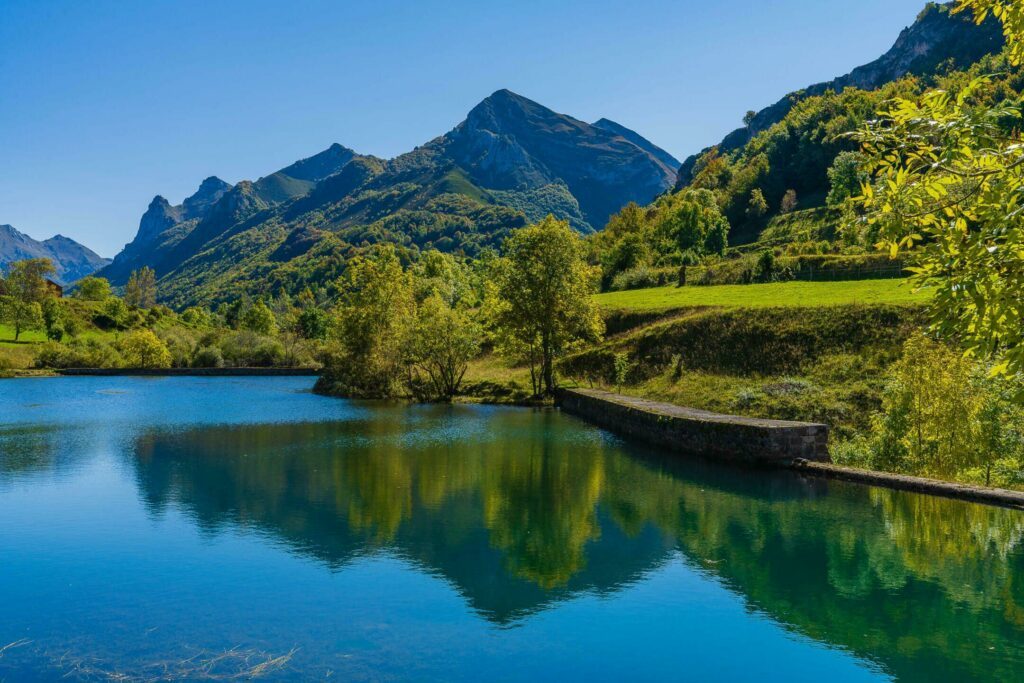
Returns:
(699, 432)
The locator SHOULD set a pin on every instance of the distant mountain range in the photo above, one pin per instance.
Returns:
(510, 162)
(71, 260)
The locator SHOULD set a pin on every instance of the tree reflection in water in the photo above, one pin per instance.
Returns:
(519, 509)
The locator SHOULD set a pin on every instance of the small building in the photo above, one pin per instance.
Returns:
(55, 288)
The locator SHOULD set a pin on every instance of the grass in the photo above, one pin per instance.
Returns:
(775, 294)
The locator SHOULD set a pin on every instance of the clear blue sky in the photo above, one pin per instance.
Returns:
(105, 104)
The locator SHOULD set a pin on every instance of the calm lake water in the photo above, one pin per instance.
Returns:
(188, 527)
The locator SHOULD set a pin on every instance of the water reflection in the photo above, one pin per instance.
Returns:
(510, 516)
(521, 509)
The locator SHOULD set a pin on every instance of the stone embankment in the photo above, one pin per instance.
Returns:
(700, 432)
(800, 446)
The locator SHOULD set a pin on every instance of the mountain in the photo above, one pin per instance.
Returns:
(638, 140)
(71, 260)
(788, 149)
(512, 161)
(936, 41)
(508, 142)
(168, 234)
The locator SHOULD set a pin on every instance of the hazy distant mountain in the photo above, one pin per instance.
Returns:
(510, 162)
(72, 260)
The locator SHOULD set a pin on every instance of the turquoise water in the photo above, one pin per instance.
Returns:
(160, 528)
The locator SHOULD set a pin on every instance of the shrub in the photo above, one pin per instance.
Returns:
(248, 349)
(643, 277)
(143, 349)
(208, 357)
(91, 353)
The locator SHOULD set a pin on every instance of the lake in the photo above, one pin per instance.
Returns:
(160, 528)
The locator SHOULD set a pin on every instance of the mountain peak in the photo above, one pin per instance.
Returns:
(319, 166)
(199, 204)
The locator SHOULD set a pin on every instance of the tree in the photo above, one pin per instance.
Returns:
(143, 349)
(749, 117)
(312, 323)
(21, 315)
(26, 280)
(845, 176)
(444, 340)
(53, 319)
(757, 207)
(373, 319)
(695, 222)
(92, 288)
(947, 186)
(929, 419)
(140, 291)
(789, 202)
(25, 291)
(540, 304)
(260, 319)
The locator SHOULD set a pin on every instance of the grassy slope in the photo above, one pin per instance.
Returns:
(794, 350)
(785, 294)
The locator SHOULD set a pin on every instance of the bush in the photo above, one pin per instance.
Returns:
(181, 344)
(248, 349)
(143, 349)
(91, 353)
(643, 277)
(208, 357)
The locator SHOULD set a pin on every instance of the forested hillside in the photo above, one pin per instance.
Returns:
(511, 162)
(783, 181)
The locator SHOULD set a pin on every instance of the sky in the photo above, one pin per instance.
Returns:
(105, 104)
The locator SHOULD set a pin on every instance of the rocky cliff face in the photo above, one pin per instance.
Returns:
(936, 39)
(71, 260)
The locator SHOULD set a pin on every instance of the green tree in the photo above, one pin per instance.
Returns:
(948, 185)
(143, 349)
(197, 316)
(26, 280)
(92, 288)
(25, 290)
(929, 419)
(140, 291)
(260, 319)
(846, 177)
(444, 340)
(53, 318)
(21, 315)
(312, 323)
(757, 207)
(374, 316)
(695, 222)
(541, 302)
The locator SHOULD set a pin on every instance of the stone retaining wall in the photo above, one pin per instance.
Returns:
(700, 432)
(947, 489)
